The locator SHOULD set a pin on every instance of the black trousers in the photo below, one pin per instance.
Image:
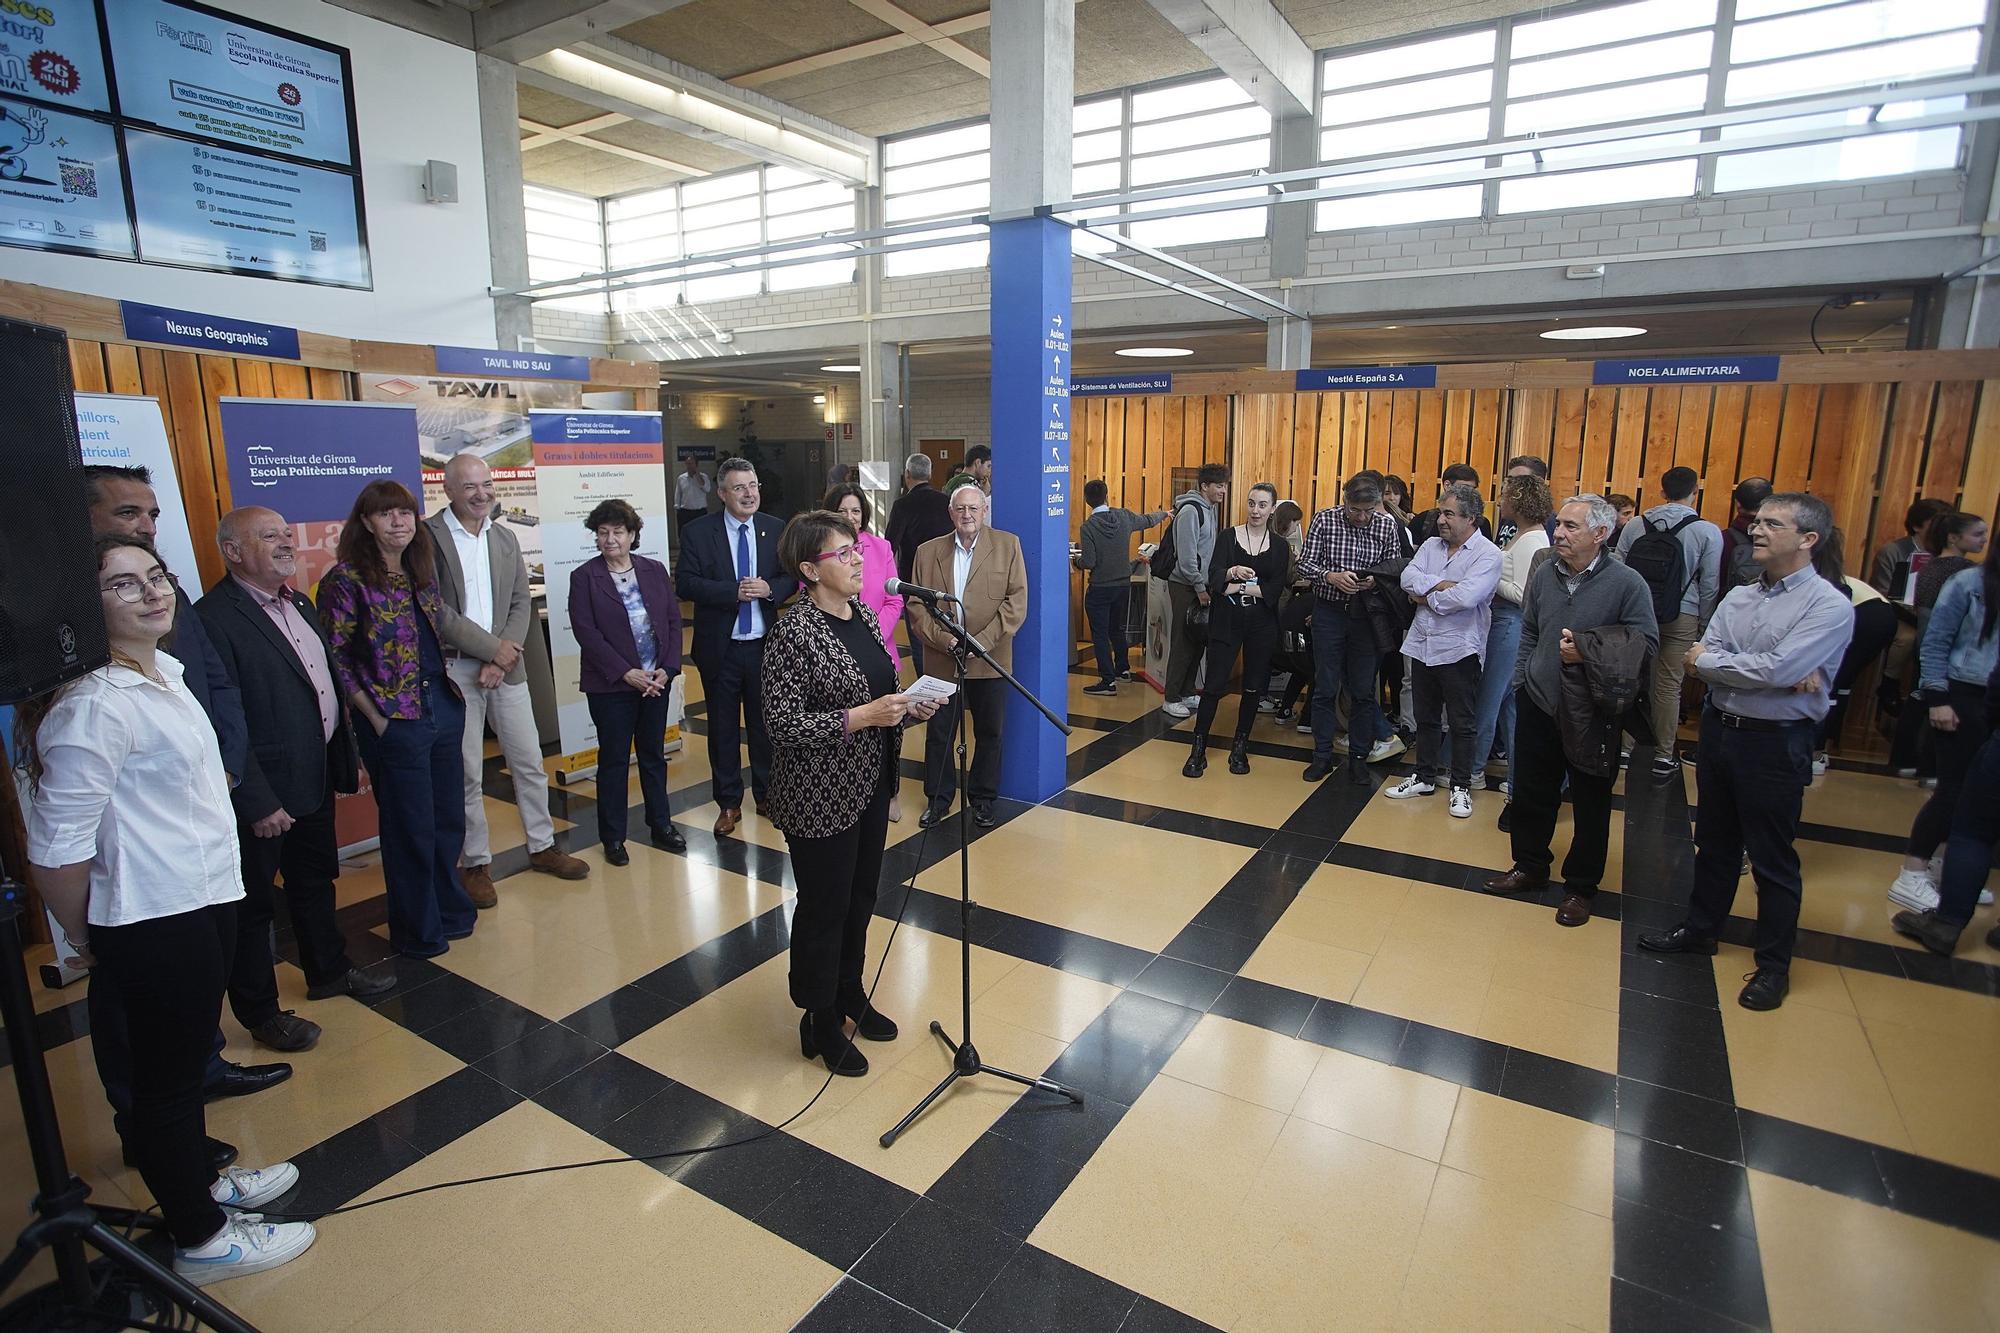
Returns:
(1955, 750)
(1107, 606)
(1874, 631)
(1447, 694)
(1182, 650)
(988, 701)
(621, 720)
(837, 878)
(736, 696)
(1539, 769)
(1254, 633)
(307, 855)
(1751, 785)
(171, 972)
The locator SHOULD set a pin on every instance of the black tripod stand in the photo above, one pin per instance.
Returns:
(965, 1061)
(64, 1223)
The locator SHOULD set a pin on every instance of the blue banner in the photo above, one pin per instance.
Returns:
(1367, 377)
(308, 460)
(1088, 386)
(1722, 369)
(207, 333)
(570, 426)
(481, 362)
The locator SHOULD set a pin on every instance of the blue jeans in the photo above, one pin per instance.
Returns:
(1107, 604)
(1968, 855)
(1344, 657)
(1495, 715)
(417, 772)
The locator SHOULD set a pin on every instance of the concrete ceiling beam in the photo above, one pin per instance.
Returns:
(1251, 42)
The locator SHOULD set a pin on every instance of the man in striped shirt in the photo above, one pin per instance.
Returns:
(1343, 541)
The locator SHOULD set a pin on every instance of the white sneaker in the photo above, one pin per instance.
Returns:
(1913, 889)
(1386, 749)
(1820, 763)
(1339, 742)
(246, 1244)
(1410, 786)
(1479, 783)
(1461, 803)
(1305, 728)
(245, 1187)
(1191, 702)
(1906, 772)
(1267, 705)
(1175, 708)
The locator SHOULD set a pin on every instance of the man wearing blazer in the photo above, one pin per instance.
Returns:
(301, 752)
(983, 568)
(729, 570)
(483, 577)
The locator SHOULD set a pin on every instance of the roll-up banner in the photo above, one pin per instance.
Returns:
(583, 458)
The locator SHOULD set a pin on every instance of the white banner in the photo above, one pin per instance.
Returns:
(121, 430)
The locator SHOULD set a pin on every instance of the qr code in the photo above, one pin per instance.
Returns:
(318, 240)
(79, 178)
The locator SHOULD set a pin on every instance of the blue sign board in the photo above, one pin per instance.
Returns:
(1722, 369)
(1367, 377)
(480, 361)
(208, 333)
(1086, 386)
(568, 426)
(700, 453)
(308, 460)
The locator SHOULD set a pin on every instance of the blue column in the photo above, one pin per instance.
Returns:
(1031, 332)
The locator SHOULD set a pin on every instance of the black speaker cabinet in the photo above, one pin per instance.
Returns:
(51, 623)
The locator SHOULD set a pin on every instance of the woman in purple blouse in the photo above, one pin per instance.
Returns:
(383, 616)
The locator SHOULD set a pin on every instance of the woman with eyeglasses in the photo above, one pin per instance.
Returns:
(132, 844)
(878, 566)
(1252, 565)
(836, 721)
(627, 621)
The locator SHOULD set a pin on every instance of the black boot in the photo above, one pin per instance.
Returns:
(822, 1035)
(870, 1023)
(1197, 762)
(1358, 774)
(1239, 755)
(1929, 930)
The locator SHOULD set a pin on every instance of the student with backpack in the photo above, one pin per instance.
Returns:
(1679, 555)
(1182, 560)
(1104, 554)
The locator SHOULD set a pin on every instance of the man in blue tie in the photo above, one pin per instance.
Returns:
(729, 570)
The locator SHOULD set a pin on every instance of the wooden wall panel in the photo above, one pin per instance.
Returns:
(1725, 448)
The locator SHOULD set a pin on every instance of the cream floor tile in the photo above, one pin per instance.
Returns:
(1579, 1033)
(360, 879)
(503, 824)
(89, 1142)
(1396, 1108)
(1407, 979)
(1138, 886)
(1042, 999)
(1833, 1263)
(1486, 1259)
(755, 828)
(1422, 826)
(1529, 1149)
(1545, 962)
(1866, 801)
(661, 903)
(1247, 1062)
(567, 1271)
(1476, 921)
(1302, 965)
(1081, 736)
(1820, 985)
(1808, 1064)
(1847, 894)
(1133, 700)
(1949, 1099)
(1151, 775)
(1348, 909)
(1896, 1000)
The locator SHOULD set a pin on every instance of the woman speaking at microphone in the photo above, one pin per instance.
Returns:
(835, 721)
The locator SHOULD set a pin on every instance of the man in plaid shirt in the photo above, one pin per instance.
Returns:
(1355, 535)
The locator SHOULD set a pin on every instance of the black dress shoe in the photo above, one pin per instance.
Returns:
(1678, 940)
(982, 814)
(1516, 881)
(1506, 820)
(1358, 774)
(286, 1031)
(932, 814)
(1765, 989)
(669, 838)
(356, 982)
(220, 1154)
(1317, 769)
(616, 855)
(242, 1080)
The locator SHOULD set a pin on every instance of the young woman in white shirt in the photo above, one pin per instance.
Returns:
(1526, 503)
(132, 844)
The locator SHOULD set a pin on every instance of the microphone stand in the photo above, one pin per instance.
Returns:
(965, 1061)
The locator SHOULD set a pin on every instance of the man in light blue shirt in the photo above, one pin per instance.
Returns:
(1701, 587)
(1768, 659)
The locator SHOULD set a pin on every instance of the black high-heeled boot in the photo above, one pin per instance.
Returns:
(1239, 755)
(1197, 762)
(870, 1023)
(822, 1036)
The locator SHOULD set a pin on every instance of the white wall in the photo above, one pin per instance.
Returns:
(415, 98)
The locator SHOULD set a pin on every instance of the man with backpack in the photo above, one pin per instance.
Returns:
(1679, 555)
(1104, 553)
(1182, 560)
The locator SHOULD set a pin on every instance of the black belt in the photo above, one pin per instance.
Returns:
(1737, 722)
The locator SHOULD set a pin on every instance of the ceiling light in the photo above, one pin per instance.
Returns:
(1586, 332)
(843, 370)
(819, 398)
(1155, 351)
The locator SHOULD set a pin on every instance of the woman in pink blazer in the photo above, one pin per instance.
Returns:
(878, 566)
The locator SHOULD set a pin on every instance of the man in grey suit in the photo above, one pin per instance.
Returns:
(484, 578)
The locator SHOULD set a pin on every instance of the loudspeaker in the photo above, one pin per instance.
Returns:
(51, 622)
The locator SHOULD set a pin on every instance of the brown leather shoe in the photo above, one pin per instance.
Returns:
(1516, 881)
(726, 822)
(552, 861)
(1575, 910)
(479, 885)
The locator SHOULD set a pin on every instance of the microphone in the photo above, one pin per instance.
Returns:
(928, 596)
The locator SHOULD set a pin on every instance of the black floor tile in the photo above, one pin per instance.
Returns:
(1036, 1290)
(1186, 984)
(1102, 960)
(477, 1033)
(1637, 1310)
(1149, 1316)
(602, 1091)
(1811, 1156)
(1211, 948)
(1675, 1118)
(1242, 916)
(750, 1178)
(1649, 975)
(440, 996)
(622, 1015)
(1942, 1192)
(1701, 1070)
(540, 1059)
(687, 979)
(677, 1118)
(1405, 865)
(838, 1211)
(349, 1164)
(1022, 937)
(1689, 1024)
(853, 1308)
(1004, 1182)
(1688, 1185)
(1361, 1031)
(447, 1110)
(1273, 1008)
(937, 1260)
(1060, 1127)
(750, 945)
(1559, 1086)
(1302, 846)
(1121, 1051)
(1470, 1062)
(1717, 1271)
(1648, 914)
(1210, 827)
